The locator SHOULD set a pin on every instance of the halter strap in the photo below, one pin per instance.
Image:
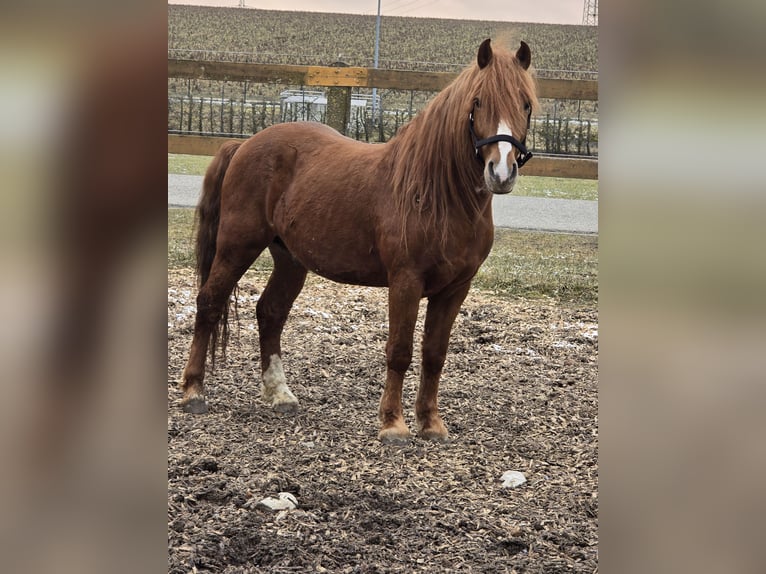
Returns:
(478, 143)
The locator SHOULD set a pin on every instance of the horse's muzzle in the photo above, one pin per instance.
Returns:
(498, 184)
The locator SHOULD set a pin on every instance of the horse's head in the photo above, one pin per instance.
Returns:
(501, 109)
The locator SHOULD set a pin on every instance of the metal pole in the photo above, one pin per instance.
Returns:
(375, 62)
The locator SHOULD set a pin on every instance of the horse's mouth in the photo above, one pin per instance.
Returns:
(498, 185)
(502, 188)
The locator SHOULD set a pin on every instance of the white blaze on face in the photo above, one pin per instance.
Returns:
(506, 153)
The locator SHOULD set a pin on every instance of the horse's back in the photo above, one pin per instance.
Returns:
(300, 135)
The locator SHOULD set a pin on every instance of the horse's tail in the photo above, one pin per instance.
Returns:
(208, 216)
(209, 209)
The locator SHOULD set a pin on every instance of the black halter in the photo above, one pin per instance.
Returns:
(519, 145)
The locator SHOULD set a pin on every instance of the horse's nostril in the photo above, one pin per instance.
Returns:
(491, 166)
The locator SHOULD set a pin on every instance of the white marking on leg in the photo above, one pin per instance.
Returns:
(274, 389)
(505, 149)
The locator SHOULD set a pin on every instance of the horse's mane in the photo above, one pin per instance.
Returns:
(435, 171)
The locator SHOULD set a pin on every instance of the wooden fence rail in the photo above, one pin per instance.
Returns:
(352, 77)
(346, 78)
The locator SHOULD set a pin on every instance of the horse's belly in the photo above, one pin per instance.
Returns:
(356, 262)
(369, 273)
(355, 277)
(331, 231)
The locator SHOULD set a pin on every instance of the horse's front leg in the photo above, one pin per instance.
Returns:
(440, 315)
(404, 295)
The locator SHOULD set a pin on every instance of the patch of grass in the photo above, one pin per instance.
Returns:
(522, 263)
(180, 238)
(535, 264)
(557, 187)
(188, 164)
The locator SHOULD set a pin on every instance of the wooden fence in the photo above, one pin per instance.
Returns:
(340, 80)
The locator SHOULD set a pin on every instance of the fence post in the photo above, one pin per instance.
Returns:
(338, 105)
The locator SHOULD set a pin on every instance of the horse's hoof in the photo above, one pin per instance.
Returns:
(394, 437)
(195, 406)
(286, 408)
(432, 428)
(435, 436)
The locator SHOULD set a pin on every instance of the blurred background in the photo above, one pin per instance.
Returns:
(682, 280)
(82, 239)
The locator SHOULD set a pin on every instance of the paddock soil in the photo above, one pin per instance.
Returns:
(518, 393)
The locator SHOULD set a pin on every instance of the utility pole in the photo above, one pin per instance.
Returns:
(375, 62)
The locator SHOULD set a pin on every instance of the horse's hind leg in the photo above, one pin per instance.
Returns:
(273, 307)
(228, 266)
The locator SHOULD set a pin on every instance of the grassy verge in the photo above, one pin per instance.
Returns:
(187, 164)
(180, 238)
(557, 188)
(534, 264)
(552, 187)
(522, 263)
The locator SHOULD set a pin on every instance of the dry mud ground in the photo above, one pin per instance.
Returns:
(518, 393)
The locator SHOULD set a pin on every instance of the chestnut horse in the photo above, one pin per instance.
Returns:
(413, 215)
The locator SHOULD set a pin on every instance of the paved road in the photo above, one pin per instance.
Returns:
(535, 213)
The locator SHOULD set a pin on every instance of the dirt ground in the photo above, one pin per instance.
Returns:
(519, 392)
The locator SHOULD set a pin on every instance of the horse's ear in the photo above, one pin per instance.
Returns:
(524, 55)
(485, 54)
